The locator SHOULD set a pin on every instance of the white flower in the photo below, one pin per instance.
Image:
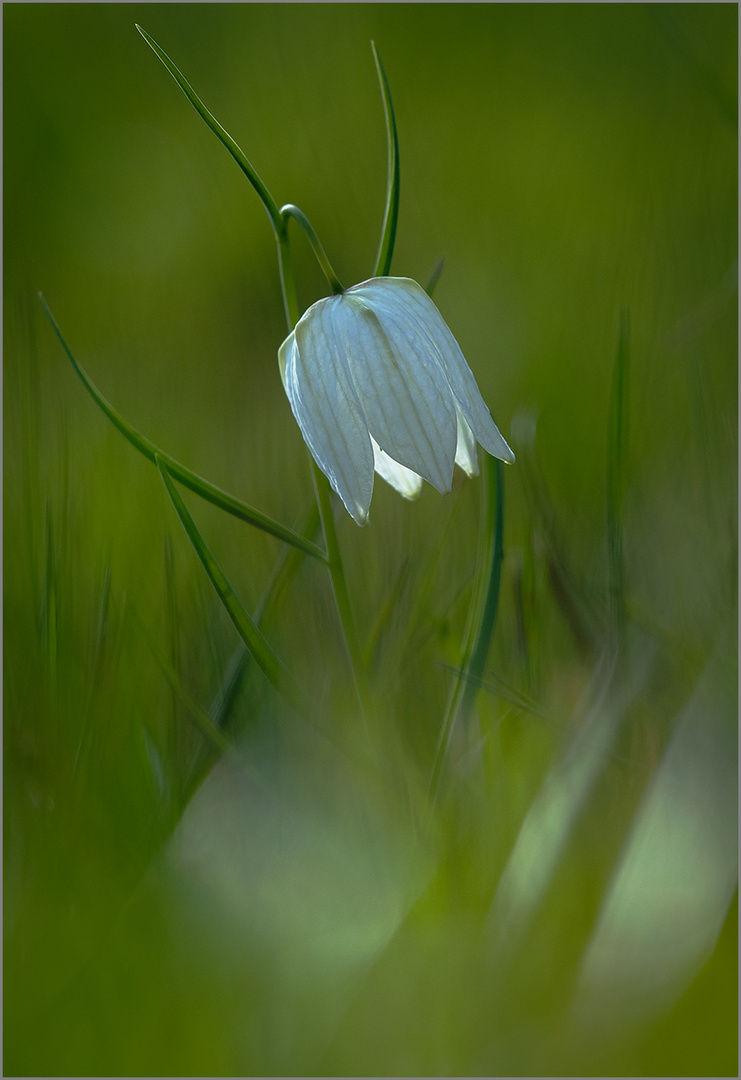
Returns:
(377, 381)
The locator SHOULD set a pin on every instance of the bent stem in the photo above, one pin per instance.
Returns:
(291, 211)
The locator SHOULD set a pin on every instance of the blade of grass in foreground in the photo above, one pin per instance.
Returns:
(190, 479)
(553, 813)
(617, 438)
(285, 571)
(572, 597)
(218, 740)
(481, 628)
(435, 276)
(270, 664)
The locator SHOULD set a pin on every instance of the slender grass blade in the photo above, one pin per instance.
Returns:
(485, 605)
(270, 664)
(391, 211)
(191, 480)
(223, 136)
(617, 437)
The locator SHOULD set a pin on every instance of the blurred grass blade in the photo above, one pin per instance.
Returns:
(484, 606)
(571, 596)
(285, 571)
(273, 668)
(203, 721)
(103, 638)
(550, 820)
(491, 571)
(223, 136)
(50, 608)
(190, 479)
(435, 276)
(391, 211)
(617, 437)
(686, 46)
(386, 612)
(672, 888)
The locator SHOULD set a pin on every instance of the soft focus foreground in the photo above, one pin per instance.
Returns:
(566, 904)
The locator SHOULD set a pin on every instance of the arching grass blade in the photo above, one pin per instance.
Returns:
(190, 479)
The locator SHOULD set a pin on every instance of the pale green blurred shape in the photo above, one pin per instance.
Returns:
(550, 821)
(676, 878)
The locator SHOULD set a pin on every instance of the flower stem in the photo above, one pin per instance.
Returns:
(287, 284)
(291, 211)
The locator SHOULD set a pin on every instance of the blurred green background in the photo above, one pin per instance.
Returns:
(568, 905)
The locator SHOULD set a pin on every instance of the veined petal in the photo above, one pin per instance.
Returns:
(466, 457)
(405, 397)
(438, 339)
(406, 482)
(377, 382)
(328, 412)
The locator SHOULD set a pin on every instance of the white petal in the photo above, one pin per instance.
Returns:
(405, 396)
(466, 457)
(406, 482)
(327, 410)
(439, 340)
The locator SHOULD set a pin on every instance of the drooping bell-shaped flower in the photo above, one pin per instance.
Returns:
(377, 382)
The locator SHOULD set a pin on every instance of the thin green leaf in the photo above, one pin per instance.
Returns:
(50, 610)
(552, 815)
(385, 615)
(190, 479)
(271, 665)
(484, 609)
(435, 276)
(218, 740)
(617, 435)
(571, 595)
(287, 567)
(223, 136)
(391, 211)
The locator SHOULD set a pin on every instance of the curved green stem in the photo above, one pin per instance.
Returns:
(291, 211)
(287, 284)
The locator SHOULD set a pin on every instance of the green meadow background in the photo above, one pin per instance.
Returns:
(567, 905)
